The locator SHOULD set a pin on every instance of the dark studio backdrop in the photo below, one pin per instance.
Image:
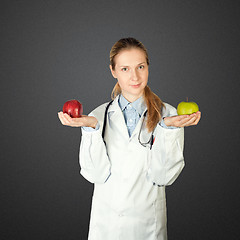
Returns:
(53, 51)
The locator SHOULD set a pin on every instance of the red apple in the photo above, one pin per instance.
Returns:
(73, 108)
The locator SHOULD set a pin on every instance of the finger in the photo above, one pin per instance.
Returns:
(182, 117)
(63, 119)
(191, 120)
(178, 120)
(198, 119)
(60, 117)
(190, 123)
(197, 116)
(185, 119)
(67, 117)
(74, 122)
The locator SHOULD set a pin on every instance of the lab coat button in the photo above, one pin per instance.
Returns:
(120, 215)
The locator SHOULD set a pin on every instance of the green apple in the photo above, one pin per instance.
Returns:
(187, 108)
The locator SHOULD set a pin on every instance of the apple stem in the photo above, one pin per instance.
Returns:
(187, 99)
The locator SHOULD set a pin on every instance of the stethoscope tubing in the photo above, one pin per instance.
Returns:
(150, 141)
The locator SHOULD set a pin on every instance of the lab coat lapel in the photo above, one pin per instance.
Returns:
(141, 126)
(117, 118)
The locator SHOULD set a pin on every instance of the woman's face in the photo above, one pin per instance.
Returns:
(131, 71)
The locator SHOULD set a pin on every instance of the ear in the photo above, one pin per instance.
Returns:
(112, 71)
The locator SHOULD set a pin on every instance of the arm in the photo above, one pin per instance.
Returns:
(93, 159)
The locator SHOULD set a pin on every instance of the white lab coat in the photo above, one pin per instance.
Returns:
(129, 179)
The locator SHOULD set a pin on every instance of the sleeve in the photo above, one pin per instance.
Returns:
(93, 157)
(90, 129)
(162, 124)
(166, 159)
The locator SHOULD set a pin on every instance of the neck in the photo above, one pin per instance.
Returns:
(131, 98)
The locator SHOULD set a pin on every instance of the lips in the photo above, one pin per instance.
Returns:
(136, 85)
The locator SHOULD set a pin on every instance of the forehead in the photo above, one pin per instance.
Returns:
(129, 57)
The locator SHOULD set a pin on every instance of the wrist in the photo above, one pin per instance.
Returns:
(94, 124)
(167, 121)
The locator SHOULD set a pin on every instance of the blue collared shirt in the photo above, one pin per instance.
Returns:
(132, 113)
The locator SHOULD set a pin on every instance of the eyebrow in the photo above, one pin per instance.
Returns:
(127, 66)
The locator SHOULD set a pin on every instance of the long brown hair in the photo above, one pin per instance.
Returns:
(153, 102)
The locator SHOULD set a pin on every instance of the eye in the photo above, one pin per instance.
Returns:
(124, 69)
(141, 67)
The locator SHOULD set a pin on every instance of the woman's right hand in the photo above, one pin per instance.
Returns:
(83, 121)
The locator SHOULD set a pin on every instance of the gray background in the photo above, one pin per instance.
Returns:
(52, 51)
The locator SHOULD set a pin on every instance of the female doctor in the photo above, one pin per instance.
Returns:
(141, 151)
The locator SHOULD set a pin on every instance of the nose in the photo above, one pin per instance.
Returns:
(134, 75)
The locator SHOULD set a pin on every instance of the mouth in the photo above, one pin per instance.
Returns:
(136, 85)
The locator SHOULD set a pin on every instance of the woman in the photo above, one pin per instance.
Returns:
(141, 153)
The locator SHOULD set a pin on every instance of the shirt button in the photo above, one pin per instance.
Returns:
(130, 120)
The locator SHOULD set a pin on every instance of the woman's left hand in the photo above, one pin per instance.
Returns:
(183, 120)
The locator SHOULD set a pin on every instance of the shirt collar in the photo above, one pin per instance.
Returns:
(139, 104)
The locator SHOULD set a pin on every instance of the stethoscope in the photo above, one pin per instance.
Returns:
(149, 142)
